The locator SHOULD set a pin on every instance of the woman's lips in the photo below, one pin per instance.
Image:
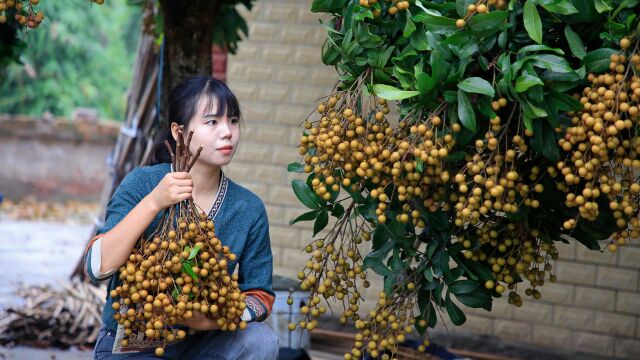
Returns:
(226, 149)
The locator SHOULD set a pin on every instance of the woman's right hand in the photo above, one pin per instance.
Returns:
(173, 188)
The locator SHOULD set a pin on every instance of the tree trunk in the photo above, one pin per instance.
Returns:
(188, 36)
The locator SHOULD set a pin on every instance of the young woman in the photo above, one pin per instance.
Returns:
(206, 106)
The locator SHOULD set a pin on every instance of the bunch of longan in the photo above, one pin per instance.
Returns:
(182, 268)
(513, 250)
(603, 147)
(25, 14)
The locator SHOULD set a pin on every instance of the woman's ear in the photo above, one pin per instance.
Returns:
(174, 130)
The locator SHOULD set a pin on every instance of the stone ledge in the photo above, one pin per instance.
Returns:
(58, 129)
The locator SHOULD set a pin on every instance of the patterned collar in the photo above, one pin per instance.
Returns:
(220, 195)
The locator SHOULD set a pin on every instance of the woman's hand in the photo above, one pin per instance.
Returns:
(199, 321)
(173, 188)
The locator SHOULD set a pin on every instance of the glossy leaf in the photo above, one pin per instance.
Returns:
(304, 194)
(476, 85)
(532, 22)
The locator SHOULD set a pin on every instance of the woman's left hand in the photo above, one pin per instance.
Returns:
(200, 321)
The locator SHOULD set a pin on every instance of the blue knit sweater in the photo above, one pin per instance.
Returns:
(240, 222)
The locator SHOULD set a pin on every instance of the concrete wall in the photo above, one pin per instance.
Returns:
(54, 159)
(277, 75)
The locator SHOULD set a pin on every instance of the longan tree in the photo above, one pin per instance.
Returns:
(516, 128)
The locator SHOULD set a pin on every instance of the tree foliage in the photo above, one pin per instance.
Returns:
(516, 128)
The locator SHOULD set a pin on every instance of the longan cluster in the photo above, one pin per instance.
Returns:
(183, 268)
(25, 13)
(385, 327)
(480, 7)
(603, 147)
(180, 270)
(397, 5)
(334, 271)
(513, 251)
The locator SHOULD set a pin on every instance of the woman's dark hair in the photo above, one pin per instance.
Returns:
(184, 99)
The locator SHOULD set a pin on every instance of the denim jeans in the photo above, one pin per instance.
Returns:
(257, 341)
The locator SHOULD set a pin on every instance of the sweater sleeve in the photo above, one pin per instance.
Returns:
(123, 200)
(256, 270)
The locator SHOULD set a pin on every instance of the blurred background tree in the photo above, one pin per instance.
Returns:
(80, 56)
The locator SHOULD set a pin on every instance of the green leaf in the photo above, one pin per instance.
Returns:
(565, 102)
(295, 167)
(488, 22)
(536, 48)
(194, 252)
(602, 6)
(311, 215)
(187, 267)
(476, 85)
(476, 299)
(551, 62)
(321, 221)
(463, 286)
(526, 81)
(389, 92)
(562, 7)
(598, 60)
(575, 43)
(455, 314)
(304, 194)
(337, 211)
(532, 22)
(375, 259)
(323, 5)
(409, 27)
(465, 111)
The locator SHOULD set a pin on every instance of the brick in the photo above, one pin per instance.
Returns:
(294, 258)
(573, 318)
(253, 152)
(275, 214)
(264, 31)
(500, 309)
(615, 324)
(570, 272)
(595, 298)
(274, 93)
(552, 337)
(534, 312)
(258, 73)
(593, 343)
(292, 114)
(277, 13)
(276, 252)
(627, 348)
(612, 277)
(255, 114)
(567, 251)
(628, 302)
(244, 91)
(478, 324)
(283, 195)
(267, 133)
(512, 330)
(307, 55)
(277, 54)
(291, 74)
(246, 50)
(557, 293)
(594, 256)
(298, 34)
(308, 95)
(284, 155)
(324, 76)
(285, 236)
(268, 174)
(629, 257)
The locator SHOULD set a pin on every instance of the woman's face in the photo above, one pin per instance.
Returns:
(218, 134)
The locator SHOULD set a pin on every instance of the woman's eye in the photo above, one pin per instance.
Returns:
(234, 121)
(211, 122)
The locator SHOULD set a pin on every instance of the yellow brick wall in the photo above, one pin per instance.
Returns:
(277, 75)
